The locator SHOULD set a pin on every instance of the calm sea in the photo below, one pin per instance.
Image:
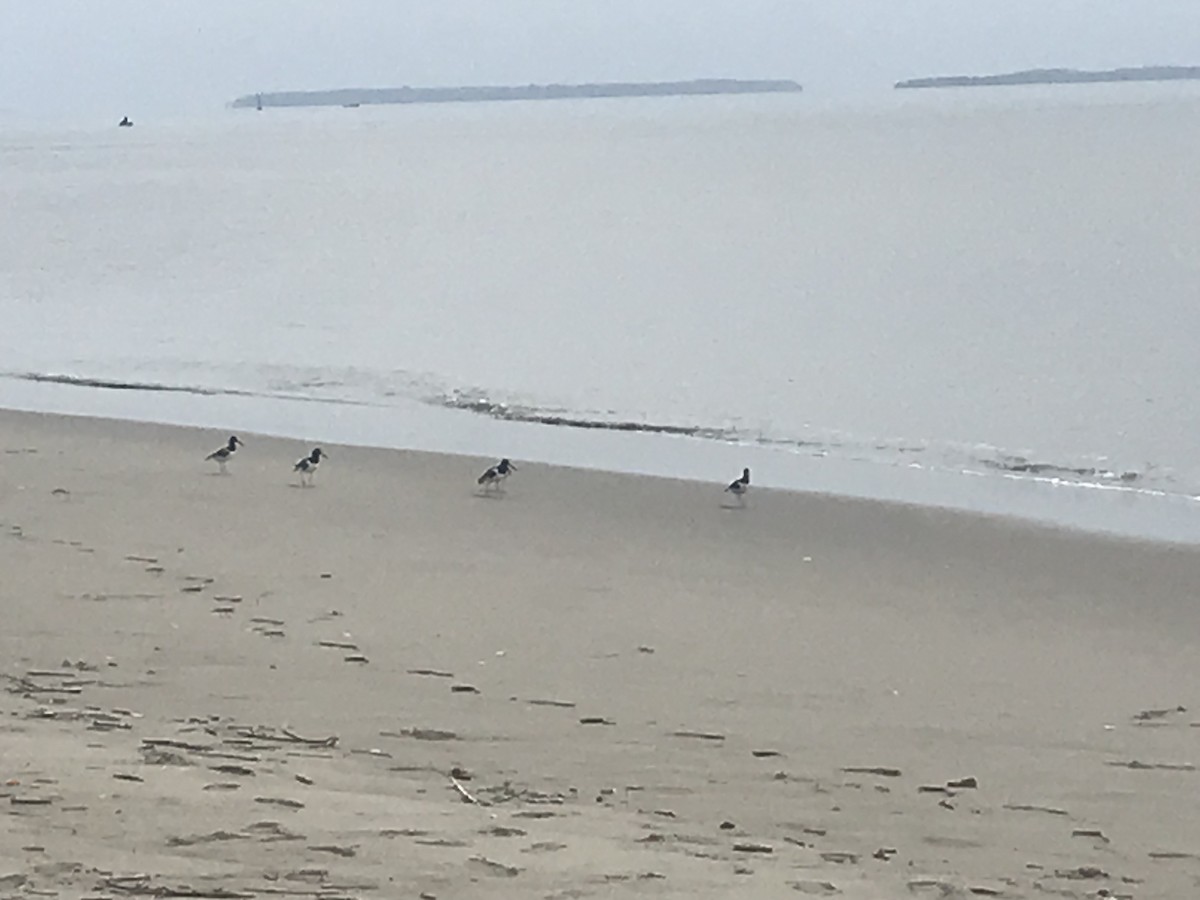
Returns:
(988, 300)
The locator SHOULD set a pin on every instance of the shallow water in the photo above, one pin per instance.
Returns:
(975, 299)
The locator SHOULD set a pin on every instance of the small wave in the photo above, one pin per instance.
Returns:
(934, 456)
(366, 389)
(113, 384)
(534, 415)
(1019, 465)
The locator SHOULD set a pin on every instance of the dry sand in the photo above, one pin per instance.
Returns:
(177, 647)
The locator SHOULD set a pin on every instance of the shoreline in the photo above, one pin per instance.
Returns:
(1087, 509)
(148, 427)
(233, 684)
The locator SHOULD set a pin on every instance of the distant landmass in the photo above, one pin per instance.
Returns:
(360, 96)
(1057, 76)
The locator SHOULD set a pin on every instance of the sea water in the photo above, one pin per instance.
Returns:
(981, 299)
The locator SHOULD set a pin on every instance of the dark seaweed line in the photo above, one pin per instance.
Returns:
(1009, 465)
(156, 387)
(1024, 467)
(112, 385)
(647, 427)
(536, 417)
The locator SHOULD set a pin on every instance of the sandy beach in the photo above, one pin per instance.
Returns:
(593, 685)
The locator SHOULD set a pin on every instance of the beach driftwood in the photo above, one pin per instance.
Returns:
(1150, 715)
(335, 849)
(280, 801)
(882, 771)
(283, 735)
(422, 734)
(1169, 767)
(840, 858)
(814, 887)
(1028, 807)
(699, 735)
(210, 838)
(142, 885)
(495, 868)
(230, 769)
(464, 794)
(177, 744)
(1081, 873)
(19, 685)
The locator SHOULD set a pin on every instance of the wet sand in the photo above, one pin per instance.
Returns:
(592, 685)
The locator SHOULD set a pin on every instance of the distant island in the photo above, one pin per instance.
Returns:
(359, 96)
(1057, 76)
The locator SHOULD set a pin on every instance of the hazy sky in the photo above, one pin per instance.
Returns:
(100, 58)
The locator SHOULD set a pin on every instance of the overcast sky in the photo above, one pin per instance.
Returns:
(99, 58)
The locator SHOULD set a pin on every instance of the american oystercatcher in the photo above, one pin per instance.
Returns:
(222, 456)
(494, 477)
(307, 466)
(739, 487)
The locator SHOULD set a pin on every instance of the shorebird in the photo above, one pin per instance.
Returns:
(494, 477)
(307, 466)
(222, 456)
(738, 487)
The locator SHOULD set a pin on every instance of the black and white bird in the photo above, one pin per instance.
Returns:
(494, 477)
(222, 456)
(307, 466)
(738, 487)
